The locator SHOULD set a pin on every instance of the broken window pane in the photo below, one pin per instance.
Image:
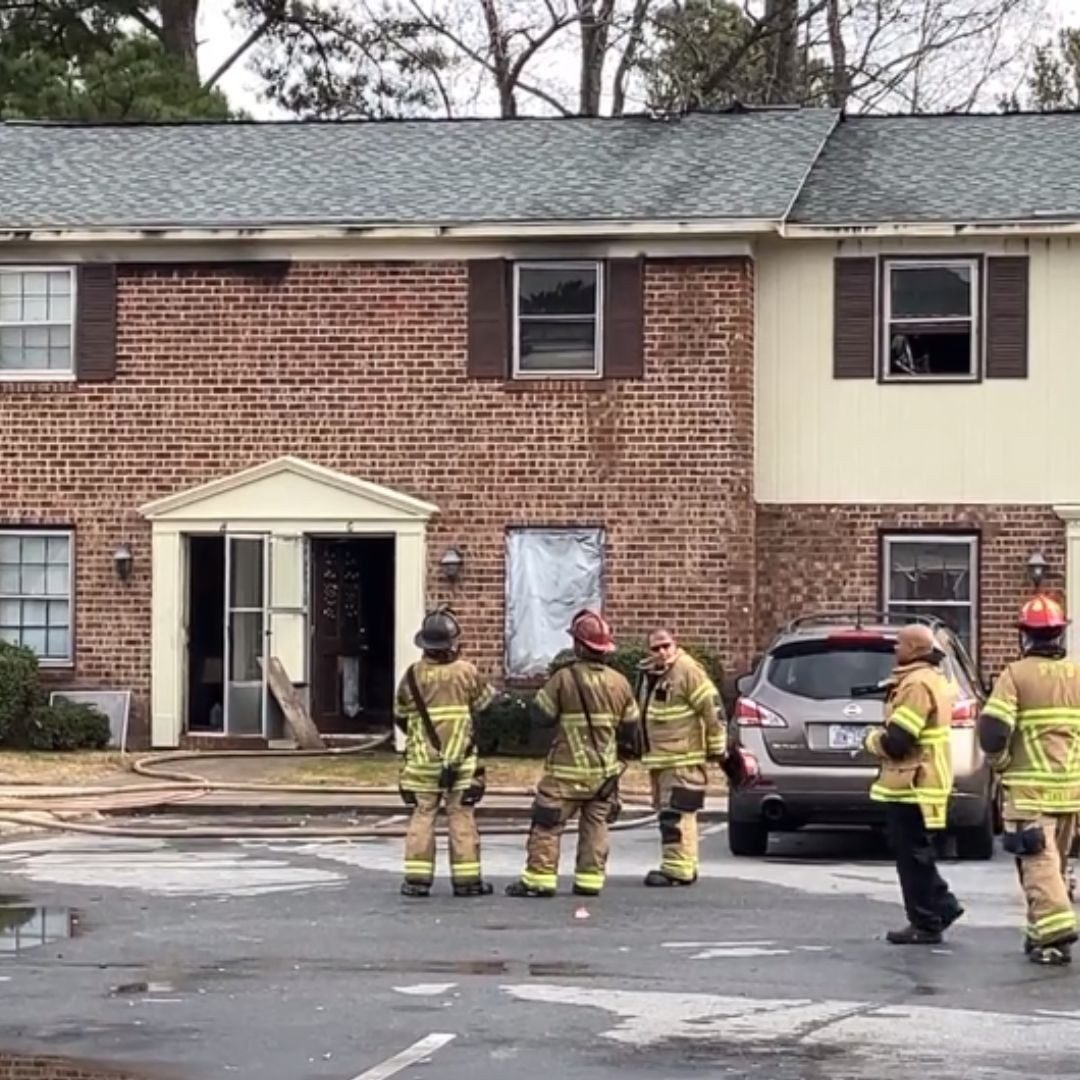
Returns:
(930, 292)
(551, 574)
(933, 577)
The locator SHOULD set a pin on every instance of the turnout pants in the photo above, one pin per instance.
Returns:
(678, 795)
(1044, 879)
(928, 901)
(550, 815)
(420, 839)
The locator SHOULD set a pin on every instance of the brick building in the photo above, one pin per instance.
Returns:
(272, 389)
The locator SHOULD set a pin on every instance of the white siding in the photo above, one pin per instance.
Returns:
(822, 440)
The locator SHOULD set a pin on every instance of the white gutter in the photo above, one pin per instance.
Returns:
(300, 233)
(932, 229)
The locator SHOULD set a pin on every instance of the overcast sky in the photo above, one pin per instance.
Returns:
(219, 39)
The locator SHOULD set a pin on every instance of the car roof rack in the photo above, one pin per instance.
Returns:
(860, 617)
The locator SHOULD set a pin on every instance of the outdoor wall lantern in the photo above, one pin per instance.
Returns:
(451, 564)
(1036, 568)
(122, 560)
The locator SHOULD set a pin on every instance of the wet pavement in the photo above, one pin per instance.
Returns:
(293, 960)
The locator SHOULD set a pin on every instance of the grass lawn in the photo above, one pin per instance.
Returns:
(364, 770)
(44, 767)
(381, 770)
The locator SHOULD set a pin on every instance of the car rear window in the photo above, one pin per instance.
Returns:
(822, 670)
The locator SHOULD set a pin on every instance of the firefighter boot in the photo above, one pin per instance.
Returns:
(412, 888)
(519, 888)
(657, 879)
(1050, 955)
(473, 888)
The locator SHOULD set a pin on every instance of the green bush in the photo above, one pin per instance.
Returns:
(64, 725)
(505, 729)
(19, 693)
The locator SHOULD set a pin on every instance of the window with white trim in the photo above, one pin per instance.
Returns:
(35, 592)
(558, 319)
(37, 324)
(934, 575)
(931, 319)
(551, 574)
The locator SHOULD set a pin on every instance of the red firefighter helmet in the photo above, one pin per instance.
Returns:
(592, 631)
(1042, 613)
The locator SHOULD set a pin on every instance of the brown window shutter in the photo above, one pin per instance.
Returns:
(95, 323)
(489, 319)
(854, 318)
(1007, 317)
(624, 319)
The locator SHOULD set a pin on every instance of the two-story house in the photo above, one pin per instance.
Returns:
(270, 389)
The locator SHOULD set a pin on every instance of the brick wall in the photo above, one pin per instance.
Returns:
(827, 555)
(361, 367)
(20, 1067)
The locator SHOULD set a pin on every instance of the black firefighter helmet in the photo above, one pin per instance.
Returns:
(439, 632)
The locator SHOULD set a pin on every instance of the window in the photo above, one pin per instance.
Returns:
(36, 321)
(551, 574)
(35, 593)
(934, 575)
(557, 323)
(930, 319)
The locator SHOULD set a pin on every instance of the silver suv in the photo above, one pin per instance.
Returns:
(804, 711)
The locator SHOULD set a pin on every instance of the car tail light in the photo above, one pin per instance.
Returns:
(749, 713)
(965, 713)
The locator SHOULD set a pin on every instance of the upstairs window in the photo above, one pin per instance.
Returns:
(931, 319)
(557, 319)
(36, 322)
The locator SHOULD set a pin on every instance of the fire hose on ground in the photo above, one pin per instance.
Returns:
(170, 786)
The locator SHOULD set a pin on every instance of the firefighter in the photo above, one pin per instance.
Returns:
(683, 726)
(596, 723)
(1030, 729)
(436, 705)
(915, 780)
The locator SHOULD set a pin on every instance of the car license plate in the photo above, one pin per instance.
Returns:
(847, 736)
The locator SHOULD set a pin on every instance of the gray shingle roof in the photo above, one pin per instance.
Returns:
(727, 165)
(946, 169)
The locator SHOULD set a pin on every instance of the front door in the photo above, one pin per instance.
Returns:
(352, 634)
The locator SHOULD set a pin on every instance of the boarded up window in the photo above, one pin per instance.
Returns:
(551, 574)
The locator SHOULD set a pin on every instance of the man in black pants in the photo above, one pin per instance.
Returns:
(915, 782)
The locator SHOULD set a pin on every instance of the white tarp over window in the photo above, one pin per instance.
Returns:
(551, 574)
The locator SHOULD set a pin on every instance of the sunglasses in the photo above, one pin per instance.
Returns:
(662, 646)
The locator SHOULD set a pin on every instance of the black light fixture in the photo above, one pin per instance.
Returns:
(122, 560)
(1037, 567)
(451, 564)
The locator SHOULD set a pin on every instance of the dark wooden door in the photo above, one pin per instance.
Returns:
(339, 650)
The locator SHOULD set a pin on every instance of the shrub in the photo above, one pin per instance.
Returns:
(19, 692)
(505, 729)
(627, 657)
(64, 725)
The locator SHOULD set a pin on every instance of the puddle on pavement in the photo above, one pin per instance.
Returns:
(24, 927)
(539, 969)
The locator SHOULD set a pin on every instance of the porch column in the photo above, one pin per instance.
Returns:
(167, 639)
(410, 572)
(1070, 514)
